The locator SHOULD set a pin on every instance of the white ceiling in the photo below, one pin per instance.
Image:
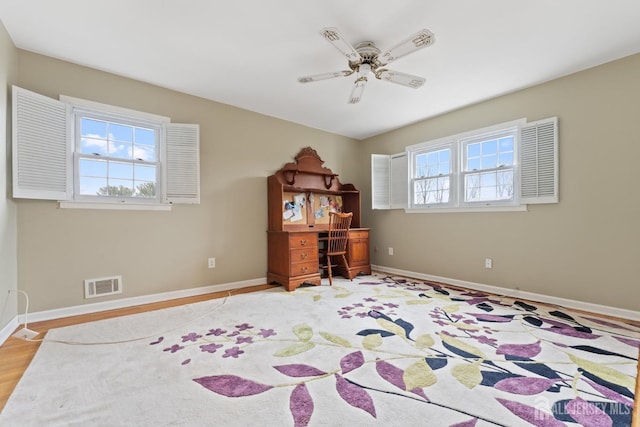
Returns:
(249, 53)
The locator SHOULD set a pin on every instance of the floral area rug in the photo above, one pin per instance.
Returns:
(377, 350)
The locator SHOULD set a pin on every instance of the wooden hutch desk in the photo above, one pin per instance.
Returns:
(300, 197)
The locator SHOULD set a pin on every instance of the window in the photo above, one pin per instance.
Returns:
(115, 159)
(431, 179)
(499, 167)
(78, 151)
(488, 170)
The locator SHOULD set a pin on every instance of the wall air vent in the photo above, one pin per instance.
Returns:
(102, 286)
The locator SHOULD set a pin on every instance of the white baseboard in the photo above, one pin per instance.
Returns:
(129, 302)
(512, 293)
(8, 329)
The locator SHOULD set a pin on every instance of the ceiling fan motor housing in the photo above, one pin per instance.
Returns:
(368, 55)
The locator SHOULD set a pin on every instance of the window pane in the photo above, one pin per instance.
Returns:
(489, 186)
(505, 159)
(431, 191)
(121, 133)
(93, 186)
(145, 173)
(144, 152)
(93, 128)
(505, 144)
(92, 168)
(145, 136)
(489, 162)
(444, 156)
(473, 150)
(421, 166)
(505, 185)
(473, 164)
(488, 179)
(93, 146)
(120, 170)
(120, 187)
(120, 150)
(145, 189)
(489, 147)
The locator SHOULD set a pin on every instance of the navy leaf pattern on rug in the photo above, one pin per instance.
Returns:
(477, 340)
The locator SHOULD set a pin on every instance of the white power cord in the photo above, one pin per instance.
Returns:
(25, 333)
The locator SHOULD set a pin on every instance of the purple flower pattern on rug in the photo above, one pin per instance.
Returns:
(464, 341)
(216, 338)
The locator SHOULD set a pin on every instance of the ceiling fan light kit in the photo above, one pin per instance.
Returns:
(366, 60)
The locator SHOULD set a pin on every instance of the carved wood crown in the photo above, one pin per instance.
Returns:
(307, 162)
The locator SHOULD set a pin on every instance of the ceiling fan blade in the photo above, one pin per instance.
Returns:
(419, 40)
(403, 79)
(334, 37)
(324, 76)
(358, 90)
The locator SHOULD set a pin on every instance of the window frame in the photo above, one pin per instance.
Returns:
(458, 144)
(80, 113)
(484, 137)
(120, 115)
(413, 178)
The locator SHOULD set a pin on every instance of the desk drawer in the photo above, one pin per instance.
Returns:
(302, 268)
(304, 255)
(358, 235)
(303, 240)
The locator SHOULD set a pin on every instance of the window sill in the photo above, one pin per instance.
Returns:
(518, 208)
(114, 206)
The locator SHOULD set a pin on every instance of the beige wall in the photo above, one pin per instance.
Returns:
(8, 222)
(164, 251)
(585, 248)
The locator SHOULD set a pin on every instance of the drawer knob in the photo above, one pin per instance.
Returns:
(304, 255)
(303, 242)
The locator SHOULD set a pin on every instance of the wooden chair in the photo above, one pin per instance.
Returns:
(336, 240)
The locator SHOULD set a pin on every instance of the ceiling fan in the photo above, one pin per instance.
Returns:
(365, 60)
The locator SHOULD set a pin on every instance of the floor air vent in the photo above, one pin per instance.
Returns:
(102, 287)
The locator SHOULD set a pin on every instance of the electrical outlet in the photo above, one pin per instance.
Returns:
(390, 251)
(26, 334)
(488, 263)
(212, 263)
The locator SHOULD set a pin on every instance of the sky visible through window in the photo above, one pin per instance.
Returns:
(116, 159)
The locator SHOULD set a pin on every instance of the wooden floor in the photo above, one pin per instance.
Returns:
(16, 354)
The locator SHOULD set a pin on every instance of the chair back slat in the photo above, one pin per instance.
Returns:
(339, 224)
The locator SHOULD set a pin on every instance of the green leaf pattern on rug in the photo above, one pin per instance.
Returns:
(468, 374)
(424, 341)
(304, 332)
(419, 375)
(392, 327)
(292, 350)
(335, 339)
(371, 342)
(606, 373)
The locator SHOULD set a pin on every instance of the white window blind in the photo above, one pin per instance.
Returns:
(398, 181)
(539, 162)
(182, 163)
(389, 181)
(41, 149)
(380, 181)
